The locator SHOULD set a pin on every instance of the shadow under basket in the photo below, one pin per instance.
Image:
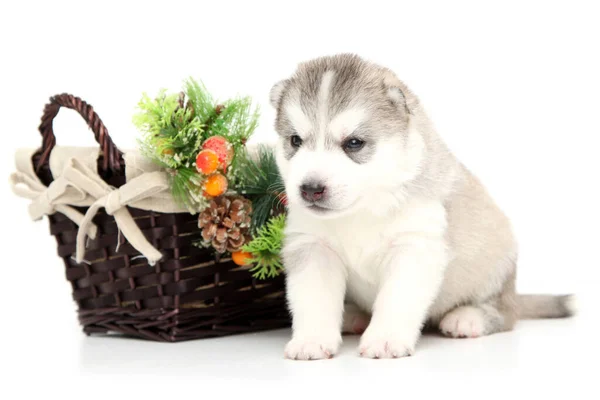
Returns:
(189, 294)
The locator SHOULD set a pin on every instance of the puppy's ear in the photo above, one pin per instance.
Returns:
(277, 92)
(399, 94)
(396, 96)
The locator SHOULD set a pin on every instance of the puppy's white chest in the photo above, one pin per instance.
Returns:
(361, 244)
(364, 241)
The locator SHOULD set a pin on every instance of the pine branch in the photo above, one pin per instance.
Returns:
(265, 248)
(200, 99)
(174, 131)
(259, 180)
(186, 186)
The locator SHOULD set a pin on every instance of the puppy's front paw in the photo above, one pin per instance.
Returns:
(373, 345)
(312, 348)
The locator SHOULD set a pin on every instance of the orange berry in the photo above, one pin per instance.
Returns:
(241, 258)
(207, 162)
(222, 147)
(215, 185)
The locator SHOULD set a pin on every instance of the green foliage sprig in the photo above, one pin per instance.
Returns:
(265, 248)
(174, 127)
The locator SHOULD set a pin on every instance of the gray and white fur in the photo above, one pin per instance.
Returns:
(384, 222)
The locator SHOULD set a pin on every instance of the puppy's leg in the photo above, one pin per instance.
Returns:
(498, 314)
(355, 320)
(412, 277)
(316, 285)
(473, 321)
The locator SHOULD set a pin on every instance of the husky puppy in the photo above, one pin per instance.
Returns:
(384, 221)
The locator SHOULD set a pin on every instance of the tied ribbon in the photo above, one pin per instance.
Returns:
(79, 185)
(47, 201)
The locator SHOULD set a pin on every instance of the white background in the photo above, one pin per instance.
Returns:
(513, 88)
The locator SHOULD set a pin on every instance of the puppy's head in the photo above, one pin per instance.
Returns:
(344, 135)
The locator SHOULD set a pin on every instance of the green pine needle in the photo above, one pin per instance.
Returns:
(201, 100)
(186, 187)
(259, 180)
(265, 248)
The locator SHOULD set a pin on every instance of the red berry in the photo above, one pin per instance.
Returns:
(207, 161)
(222, 147)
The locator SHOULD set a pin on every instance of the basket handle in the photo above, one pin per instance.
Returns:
(112, 156)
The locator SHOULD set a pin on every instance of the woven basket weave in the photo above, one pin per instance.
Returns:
(189, 294)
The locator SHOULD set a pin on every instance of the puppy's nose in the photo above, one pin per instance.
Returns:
(312, 191)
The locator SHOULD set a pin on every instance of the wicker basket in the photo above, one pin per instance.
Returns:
(188, 294)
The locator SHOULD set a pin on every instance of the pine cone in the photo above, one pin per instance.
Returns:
(225, 223)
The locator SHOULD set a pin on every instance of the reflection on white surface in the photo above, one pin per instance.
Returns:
(259, 356)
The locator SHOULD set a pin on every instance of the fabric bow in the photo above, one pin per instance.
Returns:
(79, 185)
(59, 197)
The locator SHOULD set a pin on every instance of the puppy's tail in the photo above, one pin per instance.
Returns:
(534, 306)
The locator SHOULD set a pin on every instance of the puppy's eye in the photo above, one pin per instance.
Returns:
(353, 144)
(296, 141)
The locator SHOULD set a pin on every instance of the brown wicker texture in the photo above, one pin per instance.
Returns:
(189, 294)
